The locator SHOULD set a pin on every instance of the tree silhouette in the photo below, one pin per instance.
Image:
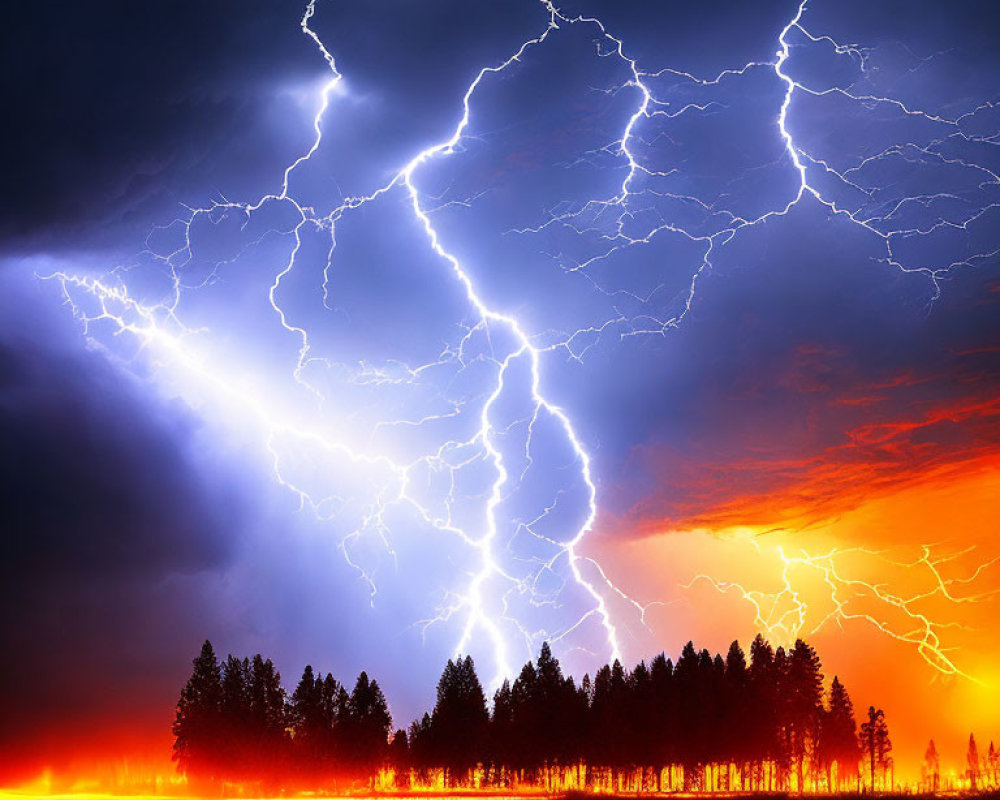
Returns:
(197, 726)
(931, 770)
(972, 759)
(399, 759)
(839, 737)
(707, 724)
(804, 696)
(875, 743)
(993, 766)
(460, 721)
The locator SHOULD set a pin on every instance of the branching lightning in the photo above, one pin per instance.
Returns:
(503, 573)
(785, 614)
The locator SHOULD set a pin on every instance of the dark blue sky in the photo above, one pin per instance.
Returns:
(715, 312)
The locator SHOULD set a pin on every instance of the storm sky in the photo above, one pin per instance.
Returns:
(695, 293)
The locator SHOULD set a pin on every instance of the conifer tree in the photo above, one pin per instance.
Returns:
(972, 760)
(369, 726)
(459, 721)
(839, 736)
(931, 770)
(875, 743)
(197, 723)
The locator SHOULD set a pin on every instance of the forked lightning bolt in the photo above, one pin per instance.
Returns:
(785, 614)
(485, 602)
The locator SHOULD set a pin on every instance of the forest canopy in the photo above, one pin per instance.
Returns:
(764, 722)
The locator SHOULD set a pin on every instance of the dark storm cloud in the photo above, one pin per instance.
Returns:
(107, 525)
(119, 110)
(829, 379)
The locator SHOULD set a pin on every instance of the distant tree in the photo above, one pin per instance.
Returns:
(500, 745)
(642, 732)
(421, 748)
(763, 711)
(875, 743)
(555, 705)
(736, 708)
(804, 706)
(197, 722)
(664, 744)
(267, 717)
(524, 728)
(308, 725)
(233, 743)
(931, 770)
(993, 766)
(459, 721)
(972, 760)
(368, 727)
(781, 756)
(688, 683)
(839, 736)
(330, 721)
(399, 759)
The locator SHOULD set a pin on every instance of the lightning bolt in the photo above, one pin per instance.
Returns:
(426, 485)
(785, 614)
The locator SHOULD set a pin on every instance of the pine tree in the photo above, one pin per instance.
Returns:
(839, 736)
(524, 738)
(399, 759)
(931, 771)
(234, 739)
(972, 759)
(369, 726)
(804, 705)
(875, 743)
(459, 720)
(992, 766)
(763, 715)
(308, 728)
(664, 742)
(197, 722)
(267, 717)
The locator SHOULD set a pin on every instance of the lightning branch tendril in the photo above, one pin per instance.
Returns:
(786, 614)
(501, 574)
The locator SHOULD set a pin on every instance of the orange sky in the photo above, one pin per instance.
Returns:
(953, 507)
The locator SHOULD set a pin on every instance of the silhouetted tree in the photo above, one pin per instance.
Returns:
(368, 727)
(500, 744)
(234, 741)
(875, 743)
(459, 721)
(421, 748)
(839, 736)
(972, 760)
(197, 724)
(993, 766)
(524, 730)
(399, 759)
(763, 715)
(804, 707)
(736, 708)
(663, 744)
(267, 718)
(724, 723)
(931, 770)
(308, 724)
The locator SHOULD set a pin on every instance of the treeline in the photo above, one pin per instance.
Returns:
(762, 723)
